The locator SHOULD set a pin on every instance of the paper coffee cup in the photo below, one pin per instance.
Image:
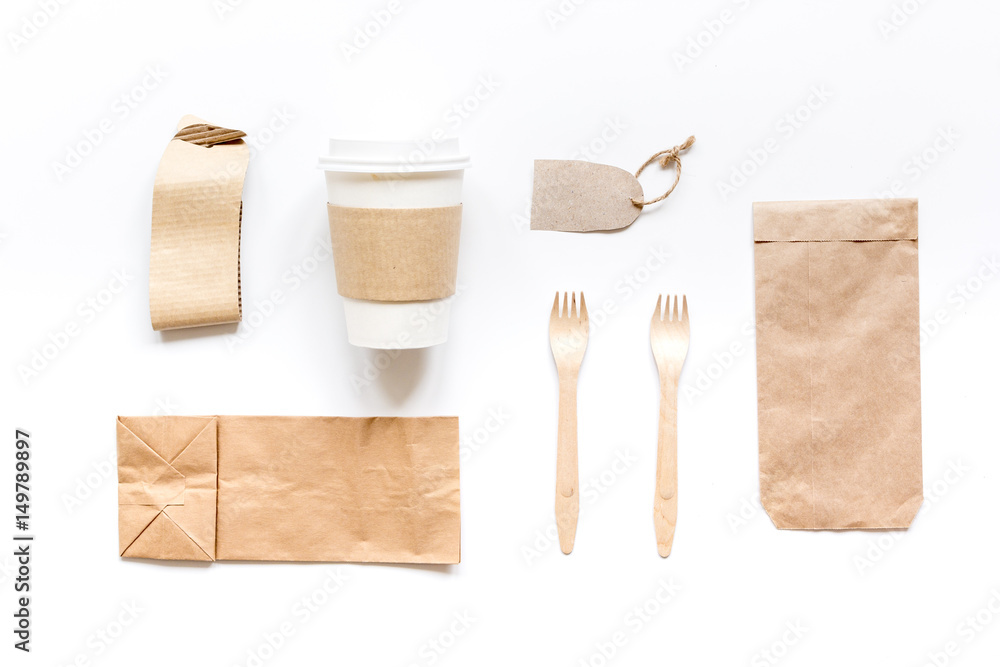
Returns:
(400, 175)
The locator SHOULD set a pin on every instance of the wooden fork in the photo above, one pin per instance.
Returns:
(568, 333)
(669, 335)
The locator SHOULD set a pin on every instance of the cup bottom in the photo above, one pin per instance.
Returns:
(404, 325)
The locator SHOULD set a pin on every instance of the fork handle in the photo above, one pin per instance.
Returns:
(665, 499)
(567, 472)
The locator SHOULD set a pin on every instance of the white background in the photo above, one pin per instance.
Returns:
(557, 85)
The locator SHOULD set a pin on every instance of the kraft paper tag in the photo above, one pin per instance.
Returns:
(194, 265)
(395, 254)
(838, 363)
(581, 196)
(332, 489)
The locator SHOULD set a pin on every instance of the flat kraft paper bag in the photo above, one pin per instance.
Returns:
(334, 489)
(838, 363)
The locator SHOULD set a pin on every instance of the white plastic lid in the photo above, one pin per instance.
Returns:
(394, 157)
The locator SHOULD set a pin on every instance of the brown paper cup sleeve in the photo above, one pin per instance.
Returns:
(395, 254)
(194, 265)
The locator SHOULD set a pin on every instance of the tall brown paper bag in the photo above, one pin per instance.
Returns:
(838, 363)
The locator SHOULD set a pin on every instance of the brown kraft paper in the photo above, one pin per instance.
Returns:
(333, 489)
(194, 264)
(581, 196)
(838, 363)
(395, 254)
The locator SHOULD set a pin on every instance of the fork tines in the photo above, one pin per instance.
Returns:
(664, 314)
(569, 307)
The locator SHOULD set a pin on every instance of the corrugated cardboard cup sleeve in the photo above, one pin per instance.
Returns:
(395, 254)
(194, 264)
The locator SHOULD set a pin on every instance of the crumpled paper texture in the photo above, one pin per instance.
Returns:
(838, 363)
(333, 489)
(167, 487)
